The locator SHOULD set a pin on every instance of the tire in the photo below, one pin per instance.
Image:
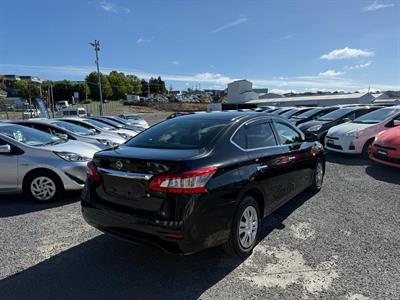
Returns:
(318, 177)
(242, 239)
(42, 186)
(365, 150)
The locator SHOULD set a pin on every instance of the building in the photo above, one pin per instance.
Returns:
(241, 91)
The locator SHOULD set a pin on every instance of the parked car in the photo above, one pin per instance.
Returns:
(134, 118)
(31, 113)
(294, 112)
(312, 114)
(117, 124)
(202, 180)
(72, 112)
(386, 147)
(70, 131)
(316, 130)
(39, 164)
(137, 126)
(280, 110)
(264, 108)
(113, 128)
(357, 136)
(114, 135)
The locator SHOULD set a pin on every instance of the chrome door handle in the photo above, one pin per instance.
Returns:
(262, 168)
(291, 158)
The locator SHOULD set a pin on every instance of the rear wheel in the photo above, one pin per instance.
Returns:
(42, 186)
(245, 229)
(318, 177)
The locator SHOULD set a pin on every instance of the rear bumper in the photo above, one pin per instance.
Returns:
(183, 237)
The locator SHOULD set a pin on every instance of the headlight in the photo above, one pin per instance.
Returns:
(71, 156)
(354, 133)
(314, 128)
(107, 143)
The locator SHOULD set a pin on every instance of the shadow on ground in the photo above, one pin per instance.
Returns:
(383, 173)
(346, 159)
(108, 268)
(14, 205)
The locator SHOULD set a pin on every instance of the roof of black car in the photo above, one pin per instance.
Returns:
(222, 115)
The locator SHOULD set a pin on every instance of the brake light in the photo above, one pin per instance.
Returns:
(190, 182)
(92, 172)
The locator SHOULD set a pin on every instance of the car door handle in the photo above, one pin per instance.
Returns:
(262, 168)
(291, 158)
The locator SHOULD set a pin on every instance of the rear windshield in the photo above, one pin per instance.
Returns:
(179, 134)
(308, 113)
(74, 128)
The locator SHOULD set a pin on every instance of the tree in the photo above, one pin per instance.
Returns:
(144, 87)
(134, 85)
(119, 85)
(161, 86)
(92, 82)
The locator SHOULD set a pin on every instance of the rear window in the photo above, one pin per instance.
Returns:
(179, 134)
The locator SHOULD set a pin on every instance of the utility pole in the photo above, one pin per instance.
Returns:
(96, 46)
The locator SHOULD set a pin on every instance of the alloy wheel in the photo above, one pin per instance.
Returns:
(248, 227)
(319, 175)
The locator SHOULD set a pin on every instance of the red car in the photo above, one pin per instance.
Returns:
(386, 148)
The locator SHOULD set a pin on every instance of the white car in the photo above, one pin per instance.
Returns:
(134, 119)
(357, 136)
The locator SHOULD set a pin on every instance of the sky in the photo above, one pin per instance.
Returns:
(285, 45)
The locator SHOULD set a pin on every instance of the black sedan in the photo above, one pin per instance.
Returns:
(316, 130)
(200, 181)
(312, 114)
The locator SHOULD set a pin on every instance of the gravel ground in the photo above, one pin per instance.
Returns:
(342, 243)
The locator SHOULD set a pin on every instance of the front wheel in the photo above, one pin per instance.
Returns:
(42, 186)
(245, 230)
(365, 150)
(318, 177)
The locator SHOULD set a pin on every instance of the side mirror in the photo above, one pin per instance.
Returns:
(5, 148)
(396, 123)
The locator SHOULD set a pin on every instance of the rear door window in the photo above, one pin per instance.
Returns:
(260, 136)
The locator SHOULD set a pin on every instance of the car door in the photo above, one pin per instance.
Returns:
(298, 152)
(268, 160)
(8, 162)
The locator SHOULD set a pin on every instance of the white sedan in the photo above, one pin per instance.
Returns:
(357, 136)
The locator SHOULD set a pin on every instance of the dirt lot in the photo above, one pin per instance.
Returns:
(342, 243)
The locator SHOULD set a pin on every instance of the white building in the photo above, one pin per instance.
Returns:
(241, 91)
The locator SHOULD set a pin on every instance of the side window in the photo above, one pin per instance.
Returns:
(2, 142)
(352, 116)
(240, 138)
(287, 134)
(259, 136)
(361, 112)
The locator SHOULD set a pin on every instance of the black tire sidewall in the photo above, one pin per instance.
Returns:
(32, 176)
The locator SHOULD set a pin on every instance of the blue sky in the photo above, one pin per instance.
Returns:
(281, 45)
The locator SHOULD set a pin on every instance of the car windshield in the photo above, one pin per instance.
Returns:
(30, 136)
(289, 113)
(308, 113)
(335, 114)
(179, 134)
(377, 116)
(133, 118)
(100, 124)
(112, 122)
(74, 128)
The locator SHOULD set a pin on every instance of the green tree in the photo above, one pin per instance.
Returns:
(144, 87)
(134, 85)
(92, 82)
(119, 85)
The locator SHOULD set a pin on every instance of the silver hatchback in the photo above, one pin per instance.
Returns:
(39, 164)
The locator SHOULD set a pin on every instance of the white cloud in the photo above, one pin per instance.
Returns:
(140, 40)
(331, 73)
(301, 83)
(175, 62)
(375, 6)
(236, 22)
(360, 66)
(347, 53)
(286, 37)
(114, 8)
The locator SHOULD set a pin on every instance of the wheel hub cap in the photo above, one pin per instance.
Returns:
(43, 188)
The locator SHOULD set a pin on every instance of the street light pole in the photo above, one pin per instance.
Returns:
(96, 46)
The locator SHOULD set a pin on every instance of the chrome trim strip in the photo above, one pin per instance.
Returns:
(125, 174)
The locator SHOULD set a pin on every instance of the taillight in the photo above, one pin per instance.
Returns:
(92, 172)
(190, 182)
